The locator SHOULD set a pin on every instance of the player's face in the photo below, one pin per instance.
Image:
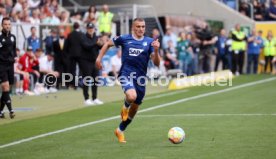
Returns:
(139, 28)
(6, 25)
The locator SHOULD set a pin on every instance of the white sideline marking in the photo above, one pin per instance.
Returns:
(166, 94)
(199, 115)
(141, 111)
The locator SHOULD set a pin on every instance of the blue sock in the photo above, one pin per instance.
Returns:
(123, 125)
(127, 104)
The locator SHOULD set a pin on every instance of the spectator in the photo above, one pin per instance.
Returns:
(169, 36)
(105, 20)
(23, 75)
(156, 35)
(221, 50)
(207, 40)
(33, 4)
(272, 10)
(46, 67)
(184, 54)
(45, 9)
(18, 6)
(33, 40)
(9, 5)
(238, 49)
(244, 8)
(76, 18)
(171, 61)
(255, 43)
(259, 10)
(35, 17)
(25, 17)
(49, 41)
(29, 63)
(26, 7)
(2, 11)
(52, 18)
(16, 17)
(269, 50)
(54, 7)
(19, 74)
(46, 3)
(74, 48)
(116, 63)
(195, 44)
(64, 17)
(91, 15)
(61, 59)
(228, 50)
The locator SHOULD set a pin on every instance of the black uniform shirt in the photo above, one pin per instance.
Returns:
(7, 48)
(90, 50)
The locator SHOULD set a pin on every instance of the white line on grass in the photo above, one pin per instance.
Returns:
(141, 111)
(166, 94)
(199, 115)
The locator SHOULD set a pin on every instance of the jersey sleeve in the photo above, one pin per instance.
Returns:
(118, 40)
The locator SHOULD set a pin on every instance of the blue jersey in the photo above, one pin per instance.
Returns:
(135, 54)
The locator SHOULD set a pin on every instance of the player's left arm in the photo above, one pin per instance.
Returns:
(155, 55)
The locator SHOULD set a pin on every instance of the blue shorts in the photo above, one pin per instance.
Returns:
(132, 84)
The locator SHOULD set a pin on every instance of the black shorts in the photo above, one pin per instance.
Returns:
(7, 73)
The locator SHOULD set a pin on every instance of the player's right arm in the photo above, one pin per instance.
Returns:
(117, 41)
(103, 51)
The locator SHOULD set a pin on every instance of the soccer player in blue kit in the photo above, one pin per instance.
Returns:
(137, 50)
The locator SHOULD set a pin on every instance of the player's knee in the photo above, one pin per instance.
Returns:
(131, 97)
(5, 86)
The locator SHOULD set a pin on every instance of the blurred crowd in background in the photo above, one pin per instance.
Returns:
(194, 50)
(259, 10)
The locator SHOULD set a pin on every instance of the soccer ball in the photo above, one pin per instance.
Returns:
(176, 135)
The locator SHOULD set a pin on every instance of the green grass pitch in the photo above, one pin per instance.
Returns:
(235, 124)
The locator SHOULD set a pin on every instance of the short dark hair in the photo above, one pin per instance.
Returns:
(33, 27)
(5, 19)
(39, 50)
(139, 20)
(76, 25)
(2, 5)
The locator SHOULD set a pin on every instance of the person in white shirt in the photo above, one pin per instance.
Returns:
(51, 19)
(169, 36)
(116, 63)
(46, 68)
(34, 19)
(18, 6)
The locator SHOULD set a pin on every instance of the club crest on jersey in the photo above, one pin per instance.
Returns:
(145, 43)
(135, 52)
(116, 37)
(12, 39)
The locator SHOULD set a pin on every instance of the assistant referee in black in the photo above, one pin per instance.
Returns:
(7, 55)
